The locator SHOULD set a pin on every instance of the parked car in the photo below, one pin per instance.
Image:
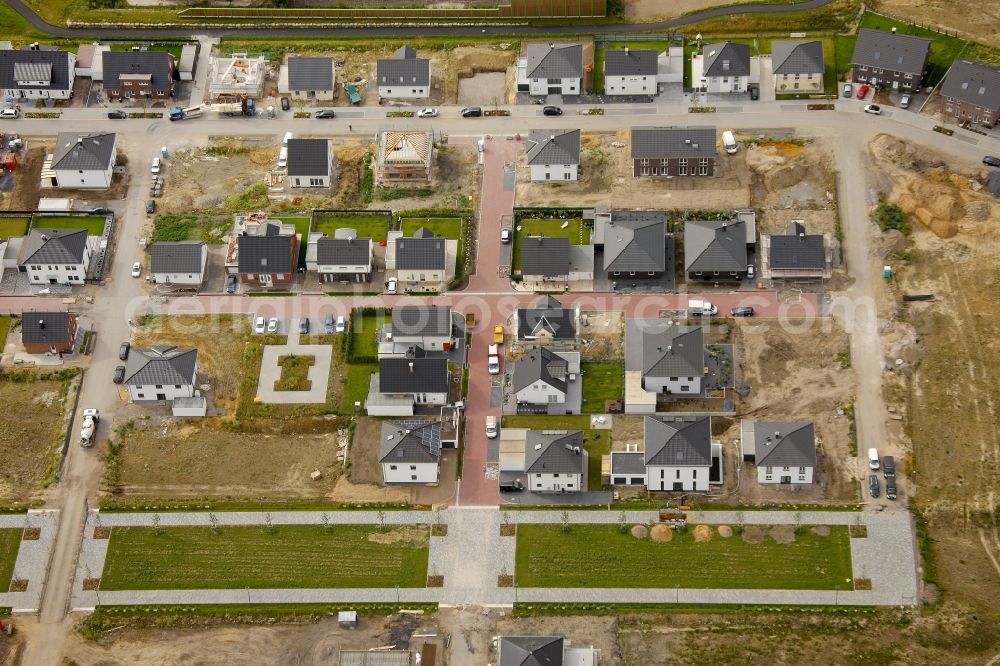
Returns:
(150, 207)
(9, 114)
(742, 311)
(888, 467)
(890, 488)
(904, 101)
(514, 486)
(341, 325)
(390, 286)
(117, 115)
(498, 335)
(472, 112)
(750, 271)
(230, 284)
(873, 109)
(282, 157)
(136, 269)
(506, 234)
(119, 374)
(989, 160)
(325, 113)
(99, 211)
(259, 325)
(848, 90)
(155, 167)
(863, 91)
(754, 93)
(304, 326)
(491, 427)
(124, 350)
(286, 104)
(873, 485)
(493, 365)
(551, 111)
(328, 324)
(272, 325)
(873, 459)
(429, 112)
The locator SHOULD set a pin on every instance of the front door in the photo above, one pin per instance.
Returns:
(265, 279)
(161, 396)
(678, 486)
(786, 479)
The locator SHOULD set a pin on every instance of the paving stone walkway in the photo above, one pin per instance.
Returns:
(32, 558)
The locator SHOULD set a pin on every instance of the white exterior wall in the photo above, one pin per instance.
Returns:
(540, 393)
(772, 475)
(308, 181)
(389, 410)
(664, 385)
(630, 85)
(431, 398)
(84, 180)
(184, 278)
(149, 392)
(664, 478)
(554, 483)
(405, 473)
(788, 83)
(727, 84)
(422, 276)
(566, 86)
(45, 93)
(404, 92)
(557, 173)
(62, 273)
(434, 343)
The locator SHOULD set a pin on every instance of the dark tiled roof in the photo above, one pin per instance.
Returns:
(45, 328)
(178, 257)
(308, 157)
(310, 74)
(540, 364)
(83, 151)
(410, 441)
(798, 250)
(656, 348)
(625, 462)
(631, 62)
(546, 453)
(557, 146)
(420, 253)
(544, 255)
(635, 245)
(344, 251)
(973, 83)
(715, 245)
(893, 51)
(678, 441)
(163, 365)
(403, 68)
(530, 651)
(660, 143)
(54, 246)
(727, 59)
(408, 320)
(555, 61)
(547, 314)
(158, 64)
(797, 57)
(265, 254)
(416, 375)
(791, 444)
(57, 61)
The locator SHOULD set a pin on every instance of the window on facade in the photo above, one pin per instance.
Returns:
(685, 388)
(694, 474)
(392, 467)
(159, 386)
(644, 162)
(683, 171)
(555, 476)
(785, 469)
(315, 182)
(678, 474)
(682, 162)
(703, 170)
(566, 176)
(139, 395)
(645, 171)
(413, 477)
(662, 474)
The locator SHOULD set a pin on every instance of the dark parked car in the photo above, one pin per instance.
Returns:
(755, 93)
(989, 160)
(873, 485)
(514, 486)
(99, 211)
(303, 326)
(325, 113)
(124, 350)
(150, 207)
(230, 284)
(472, 112)
(742, 311)
(890, 488)
(286, 104)
(119, 374)
(552, 111)
(328, 324)
(117, 115)
(889, 467)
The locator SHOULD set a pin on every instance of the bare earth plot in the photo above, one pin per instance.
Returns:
(980, 21)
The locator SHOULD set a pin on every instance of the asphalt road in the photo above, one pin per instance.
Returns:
(416, 30)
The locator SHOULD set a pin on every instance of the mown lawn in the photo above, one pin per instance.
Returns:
(574, 231)
(12, 227)
(375, 227)
(601, 556)
(363, 330)
(446, 227)
(601, 381)
(10, 541)
(356, 385)
(597, 442)
(299, 556)
(94, 224)
(5, 322)
(294, 373)
(302, 229)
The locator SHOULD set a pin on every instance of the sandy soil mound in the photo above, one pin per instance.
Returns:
(640, 532)
(753, 534)
(784, 534)
(702, 534)
(725, 531)
(661, 533)
(821, 530)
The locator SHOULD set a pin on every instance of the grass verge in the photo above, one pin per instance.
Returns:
(10, 542)
(601, 382)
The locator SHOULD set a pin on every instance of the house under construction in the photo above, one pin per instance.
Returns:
(404, 155)
(237, 76)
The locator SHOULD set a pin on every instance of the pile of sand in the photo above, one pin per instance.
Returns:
(783, 534)
(640, 532)
(702, 534)
(661, 533)
(725, 531)
(753, 534)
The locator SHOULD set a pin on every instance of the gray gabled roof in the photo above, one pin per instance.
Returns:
(45, 328)
(265, 254)
(530, 651)
(630, 62)
(83, 151)
(163, 365)
(403, 68)
(409, 320)
(54, 246)
(678, 441)
(797, 57)
(413, 375)
(656, 348)
(546, 452)
(344, 251)
(636, 244)
(308, 74)
(540, 364)
(424, 251)
(726, 59)
(547, 256)
(159, 65)
(557, 146)
(660, 143)
(555, 61)
(176, 257)
(308, 157)
(797, 250)
(715, 245)
(55, 63)
(410, 441)
(785, 444)
(974, 83)
(893, 51)
(546, 314)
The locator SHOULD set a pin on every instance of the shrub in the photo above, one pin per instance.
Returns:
(891, 216)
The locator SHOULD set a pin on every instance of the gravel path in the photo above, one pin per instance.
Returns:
(32, 558)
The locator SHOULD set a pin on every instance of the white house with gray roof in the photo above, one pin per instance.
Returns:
(37, 74)
(544, 380)
(162, 372)
(726, 68)
(84, 161)
(716, 250)
(310, 163)
(308, 78)
(661, 357)
(630, 71)
(404, 75)
(344, 258)
(542, 651)
(971, 91)
(420, 261)
(551, 69)
(410, 451)
(178, 263)
(677, 452)
(797, 65)
(783, 452)
(427, 327)
(56, 256)
(889, 59)
(403, 383)
(546, 323)
(553, 155)
(555, 461)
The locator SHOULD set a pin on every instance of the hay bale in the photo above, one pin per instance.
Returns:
(753, 534)
(725, 531)
(702, 534)
(783, 534)
(946, 207)
(661, 533)
(924, 216)
(821, 530)
(640, 532)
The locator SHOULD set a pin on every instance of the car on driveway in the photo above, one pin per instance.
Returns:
(904, 101)
(863, 91)
(989, 160)
(873, 485)
(304, 326)
(119, 374)
(286, 104)
(848, 90)
(341, 324)
(117, 115)
(873, 109)
(742, 311)
(429, 112)
(272, 325)
(328, 324)
(390, 286)
(259, 325)
(551, 111)
(325, 113)
(472, 112)
(136, 269)
(506, 234)
(230, 284)
(123, 351)
(754, 93)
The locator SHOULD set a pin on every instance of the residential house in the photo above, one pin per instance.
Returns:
(420, 261)
(630, 72)
(661, 358)
(83, 161)
(237, 75)
(310, 78)
(797, 65)
(546, 323)
(971, 92)
(403, 156)
(37, 74)
(162, 372)
(268, 257)
(547, 381)
(544, 259)
(662, 152)
(677, 452)
(309, 163)
(551, 69)
(553, 155)
(137, 74)
(344, 258)
(890, 60)
(715, 250)
(726, 68)
(634, 243)
(48, 332)
(404, 75)
(542, 651)
(555, 461)
(179, 263)
(795, 254)
(410, 451)
(403, 383)
(55, 256)
(783, 452)
(428, 327)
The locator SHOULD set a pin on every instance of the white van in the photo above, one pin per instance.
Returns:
(699, 308)
(873, 459)
(491, 427)
(729, 141)
(284, 142)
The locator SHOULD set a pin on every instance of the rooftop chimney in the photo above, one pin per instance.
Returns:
(626, 50)
(411, 366)
(41, 323)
